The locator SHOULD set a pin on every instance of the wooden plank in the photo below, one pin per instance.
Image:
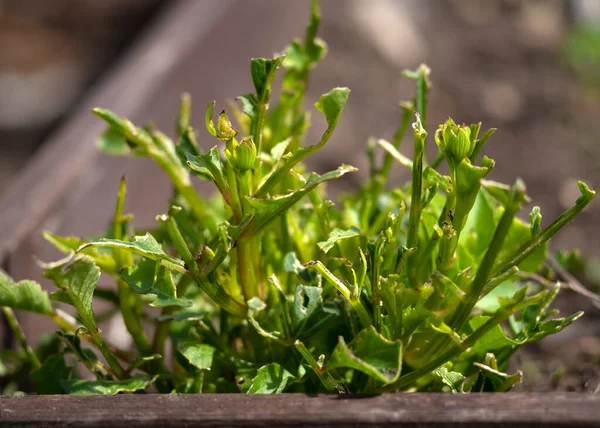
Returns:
(127, 89)
(409, 410)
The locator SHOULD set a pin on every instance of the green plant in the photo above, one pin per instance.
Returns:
(270, 286)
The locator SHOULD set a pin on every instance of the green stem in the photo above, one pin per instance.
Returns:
(14, 325)
(110, 358)
(248, 249)
(129, 301)
(415, 200)
(323, 375)
(212, 289)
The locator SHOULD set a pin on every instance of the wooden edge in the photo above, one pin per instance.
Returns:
(556, 410)
(125, 89)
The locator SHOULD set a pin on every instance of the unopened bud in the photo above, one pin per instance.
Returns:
(245, 154)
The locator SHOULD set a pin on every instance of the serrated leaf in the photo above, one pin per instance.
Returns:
(268, 210)
(113, 142)
(454, 380)
(106, 387)
(337, 235)
(68, 244)
(150, 278)
(78, 280)
(370, 353)
(145, 246)
(199, 355)
(48, 377)
(270, 379)
(24, 295)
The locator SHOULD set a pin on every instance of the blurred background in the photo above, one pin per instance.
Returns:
(530, 68)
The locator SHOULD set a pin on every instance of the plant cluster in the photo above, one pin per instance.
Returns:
(270, 287)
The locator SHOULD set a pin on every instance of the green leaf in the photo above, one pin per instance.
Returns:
(370, 353)
(24, 295)
(268, 210)
(263, 72)
(210, 166)
(210, 126)
(271, 379)
(113, 142)
(337, 235)
(148, 277)
(145, 246)
(493, 340)
(519, 234)
(553, 326)
(198, 354)
(106, 387)
(454, 380)
(332, 104)
(48, 377)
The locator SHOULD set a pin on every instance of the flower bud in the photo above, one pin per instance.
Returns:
(225, 130)
(457, 140)
(245, 154)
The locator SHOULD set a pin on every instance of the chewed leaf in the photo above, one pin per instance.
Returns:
(500, 381)
(24, 295)
(370, 353)
(106, 387)
(310, 314)
(337, 235)
(145, 246)
(199, 355)
(454, 380)
(271, 379)
(255, 307)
